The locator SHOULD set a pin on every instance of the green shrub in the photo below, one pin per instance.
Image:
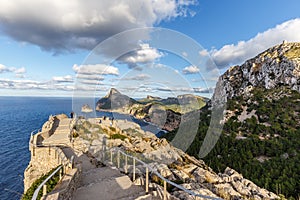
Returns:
(50, 185)
(112, 129)
(118, 136)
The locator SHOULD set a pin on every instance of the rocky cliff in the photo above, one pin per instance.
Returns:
(277, 66)
(165, 113)
(261, 136)
(114, 100)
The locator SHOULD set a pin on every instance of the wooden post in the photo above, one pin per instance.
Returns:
(133, 178)
(126, 164)
(165, 190)
(147, 180)
(44, 190)
(49, 150)
(118, 159)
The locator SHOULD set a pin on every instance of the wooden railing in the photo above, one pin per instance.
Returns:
(148, 169)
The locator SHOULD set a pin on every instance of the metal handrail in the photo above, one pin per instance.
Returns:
(31, 143)
(164, 179)
(36, 192)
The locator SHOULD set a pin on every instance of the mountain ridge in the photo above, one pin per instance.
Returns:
(165, 113)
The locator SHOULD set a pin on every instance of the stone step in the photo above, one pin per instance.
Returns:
(109, 189)
(99, 174)
(139, 196)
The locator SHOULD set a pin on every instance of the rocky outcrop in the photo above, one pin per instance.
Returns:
(114, 100)
(86, 108)
(50, 126)
(171, 163)
(277, 66)
(167, 113)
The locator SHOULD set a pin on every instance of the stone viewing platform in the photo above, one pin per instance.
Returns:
(105, 158)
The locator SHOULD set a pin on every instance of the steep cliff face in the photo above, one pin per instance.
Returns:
(277, 66)
(261, 132)
(114, 100)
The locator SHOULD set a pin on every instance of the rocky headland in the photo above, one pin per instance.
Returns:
(165, 113)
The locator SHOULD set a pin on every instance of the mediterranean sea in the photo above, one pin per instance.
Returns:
(19, 116)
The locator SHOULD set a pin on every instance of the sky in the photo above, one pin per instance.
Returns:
(150, 47)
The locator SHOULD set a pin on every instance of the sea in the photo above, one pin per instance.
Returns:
(19, 116)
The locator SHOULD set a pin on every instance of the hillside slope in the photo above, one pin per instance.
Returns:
(261, 133)
(170, 162)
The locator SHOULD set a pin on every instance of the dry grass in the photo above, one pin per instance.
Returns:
(293, 53)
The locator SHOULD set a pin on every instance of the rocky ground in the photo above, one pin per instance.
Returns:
(172, 163)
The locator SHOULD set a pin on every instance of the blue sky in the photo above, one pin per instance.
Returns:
(53, 54)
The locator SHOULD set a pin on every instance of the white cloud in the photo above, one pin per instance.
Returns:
(191, 70)
(204, 52)
(31, 84)
(90, 77)
(175, 89)
(144, 54)
(19, 72)
(90, 82)
(63, 79)
(81, 24)
(139, 77)
(186, 89)
(3, 69)
(185, 54)
(97, 69)
(204, 90)
(237, 53)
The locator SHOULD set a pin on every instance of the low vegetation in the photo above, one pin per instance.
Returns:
(50, 185)
(118, 136)
(274, 134)
(293, 53)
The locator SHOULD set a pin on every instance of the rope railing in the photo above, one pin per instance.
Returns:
(148, 170)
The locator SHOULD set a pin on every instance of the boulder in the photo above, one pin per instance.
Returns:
(189, 168)
(180, 174)
(233, 174)
(241, 188)
(203, 175)
(226, 191)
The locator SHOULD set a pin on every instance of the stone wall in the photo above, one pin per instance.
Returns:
(67, 186)
(43, 159)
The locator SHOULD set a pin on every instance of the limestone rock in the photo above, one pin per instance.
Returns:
(233, 174)
(226, 191)
(276, 66)
(180, 174)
